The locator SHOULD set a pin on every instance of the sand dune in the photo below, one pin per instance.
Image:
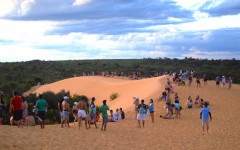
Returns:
(102, 87)
(181, 134)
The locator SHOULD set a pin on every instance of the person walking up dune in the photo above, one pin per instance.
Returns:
(142, 110)
(205, 112)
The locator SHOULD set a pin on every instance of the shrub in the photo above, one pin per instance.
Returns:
(113, 96)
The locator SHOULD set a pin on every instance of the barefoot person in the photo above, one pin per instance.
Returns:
(65, 113)
(17, 106)
(136, 103)
(2, 107)
(151, 107)
(25, 111)
(82, 113)
(42, 107)
(205, 112)
(92, 113)
(218, 81)
(198, 81)
(142, 110)
(75, 112)
(103, 109)
(229, 83)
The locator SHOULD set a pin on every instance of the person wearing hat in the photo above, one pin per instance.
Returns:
(223, 81)
(205, 112)
(92, 112)
(75, 112)
(142, 110)
(136, 102)
(65, 114)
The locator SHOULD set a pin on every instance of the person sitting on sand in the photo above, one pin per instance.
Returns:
(75, 112)
(201, 103)
(103, 109)
(142, 110)
(112, 117)
(164, 96)
(122, 113)
(168, 115)
(197, 101)
(136, 103)
(65, 114)
(82, 106)
(189, 102)
(119, 116)
(92, 112)
(205, 112)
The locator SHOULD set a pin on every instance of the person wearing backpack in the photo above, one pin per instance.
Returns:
(142, 110)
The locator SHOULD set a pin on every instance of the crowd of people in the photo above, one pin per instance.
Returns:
(189, 75)
(19, 107)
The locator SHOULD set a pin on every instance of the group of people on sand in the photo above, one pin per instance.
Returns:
(91, 117)
(187, 75)
(18, 110)
(142, 110)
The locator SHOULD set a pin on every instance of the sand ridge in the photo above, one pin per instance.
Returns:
(184, 133)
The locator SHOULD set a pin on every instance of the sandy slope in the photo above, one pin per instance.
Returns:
(183, 133)
(102, 87)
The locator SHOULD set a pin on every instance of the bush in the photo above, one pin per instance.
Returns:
(113, 96)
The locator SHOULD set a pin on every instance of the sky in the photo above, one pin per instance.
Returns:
(118, 29)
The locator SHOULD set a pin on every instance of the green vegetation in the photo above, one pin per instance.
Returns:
(113, 96)
(21, 76)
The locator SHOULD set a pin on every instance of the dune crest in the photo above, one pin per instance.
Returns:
(102, 87)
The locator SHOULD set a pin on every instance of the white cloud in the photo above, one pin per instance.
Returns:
(81, 2)
(6, 6)
(25, 6)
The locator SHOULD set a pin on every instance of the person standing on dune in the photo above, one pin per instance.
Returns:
(136, 102)
(42, 108)
(205, 112)
(92, 113)
(17, 106)
(65, 113)
(151, 106)
(82, 113)
(103, 109)
(142, 110)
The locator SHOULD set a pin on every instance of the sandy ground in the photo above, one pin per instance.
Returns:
(183, 133)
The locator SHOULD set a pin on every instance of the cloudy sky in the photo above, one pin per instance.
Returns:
(104, 29)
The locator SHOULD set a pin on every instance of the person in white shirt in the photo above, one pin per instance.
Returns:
(112, 117)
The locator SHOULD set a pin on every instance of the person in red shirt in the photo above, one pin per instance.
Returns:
(17, 106)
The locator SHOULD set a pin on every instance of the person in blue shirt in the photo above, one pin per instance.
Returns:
(205, 112)
(218, 81)
(151, 107)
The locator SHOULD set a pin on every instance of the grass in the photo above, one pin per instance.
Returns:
(113, 96)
